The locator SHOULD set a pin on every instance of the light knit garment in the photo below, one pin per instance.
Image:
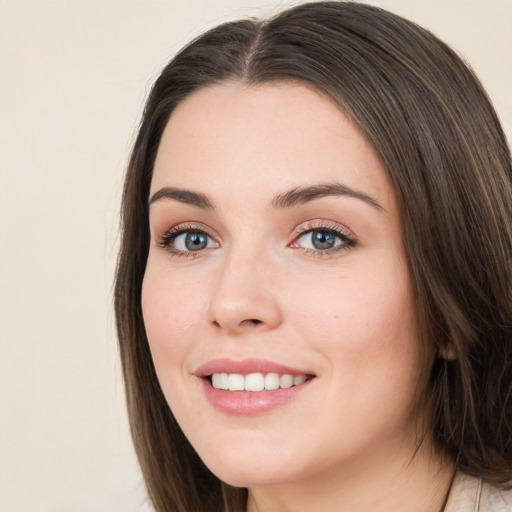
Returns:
(470, 494)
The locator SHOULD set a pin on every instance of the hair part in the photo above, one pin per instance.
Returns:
(437, 134)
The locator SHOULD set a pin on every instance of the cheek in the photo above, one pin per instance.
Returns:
(366, 330)
(374, 306)
(169, 309)
(366, 325)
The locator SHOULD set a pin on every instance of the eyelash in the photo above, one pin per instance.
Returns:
(347, 238)
(167, 239)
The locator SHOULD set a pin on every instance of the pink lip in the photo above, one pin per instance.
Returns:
(248, 403)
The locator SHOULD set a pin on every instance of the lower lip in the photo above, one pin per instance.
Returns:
(250, 403)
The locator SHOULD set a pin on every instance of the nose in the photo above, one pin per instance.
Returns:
(244, 298)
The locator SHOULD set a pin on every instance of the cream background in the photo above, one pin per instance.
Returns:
(73, 78)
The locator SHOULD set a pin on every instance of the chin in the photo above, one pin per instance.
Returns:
(248, 468)
(249, 476)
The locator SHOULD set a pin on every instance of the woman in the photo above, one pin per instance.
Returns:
(313, 295)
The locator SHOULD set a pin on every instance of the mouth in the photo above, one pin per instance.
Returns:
(257, 381)
(252, 386)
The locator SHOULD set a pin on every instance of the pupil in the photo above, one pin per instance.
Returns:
(195, 241)
(323, 240)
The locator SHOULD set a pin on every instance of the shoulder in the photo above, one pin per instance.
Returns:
(470, 494)
(494, 499)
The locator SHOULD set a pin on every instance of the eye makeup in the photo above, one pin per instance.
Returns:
(187, 240)
(317, 238)
(322, 238)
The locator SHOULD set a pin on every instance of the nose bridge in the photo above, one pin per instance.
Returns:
(242, 298)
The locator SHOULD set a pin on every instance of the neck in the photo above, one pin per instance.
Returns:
(398, 483)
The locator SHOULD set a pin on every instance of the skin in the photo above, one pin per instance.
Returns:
(260, 289)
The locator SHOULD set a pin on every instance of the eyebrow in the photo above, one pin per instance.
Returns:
(293, 197)
(183, 196)
(301, 195)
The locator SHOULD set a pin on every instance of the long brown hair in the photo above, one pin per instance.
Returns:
(438, 135)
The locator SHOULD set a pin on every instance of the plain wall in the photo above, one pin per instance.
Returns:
(73, 78)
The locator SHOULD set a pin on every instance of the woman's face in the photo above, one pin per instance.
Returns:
(277, 260)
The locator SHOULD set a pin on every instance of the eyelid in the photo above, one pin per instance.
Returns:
(347, 237)
(168, 236)
(326, 225)
(345, 234)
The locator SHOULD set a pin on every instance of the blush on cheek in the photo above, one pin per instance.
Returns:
(169, 316)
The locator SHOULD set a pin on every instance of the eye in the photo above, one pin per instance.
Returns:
(193, 241)
(185, 241)
(322, 240)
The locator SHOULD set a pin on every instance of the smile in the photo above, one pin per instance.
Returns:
(255, 381)
(251, 386)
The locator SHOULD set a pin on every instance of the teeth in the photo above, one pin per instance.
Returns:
(220, 380)
(286, 381)
(272, 381)
(299, 379)
(236, 382)
(255, 381)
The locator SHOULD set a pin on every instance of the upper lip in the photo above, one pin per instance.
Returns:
(245, 367)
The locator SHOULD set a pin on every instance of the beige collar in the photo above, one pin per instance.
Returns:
(470, 494)
(465, 494)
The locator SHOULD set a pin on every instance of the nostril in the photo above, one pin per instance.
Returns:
(250, 321)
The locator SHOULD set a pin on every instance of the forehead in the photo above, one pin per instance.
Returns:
(266, 137)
